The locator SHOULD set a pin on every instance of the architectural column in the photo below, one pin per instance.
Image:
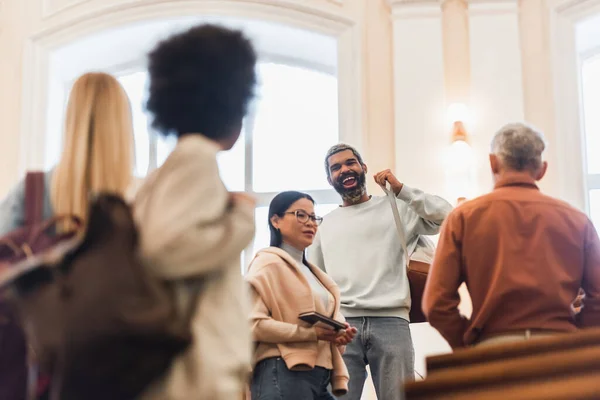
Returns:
(378, 120)
(496, 78)
(13, 31)
(420, 136)
(459, 163)
(457, 53)
(538, 88)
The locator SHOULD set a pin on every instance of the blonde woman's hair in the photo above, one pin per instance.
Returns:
(98, 145)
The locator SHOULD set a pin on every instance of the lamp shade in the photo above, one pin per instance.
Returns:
(459, 132)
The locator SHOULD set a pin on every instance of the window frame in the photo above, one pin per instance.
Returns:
(592, 180)
(263, 199)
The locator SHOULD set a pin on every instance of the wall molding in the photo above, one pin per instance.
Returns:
(76, 22)
(401, 3)
(402, 9)
(420, 8)
(493, 7)
(51, 8)
(86, 20)
(574, 9)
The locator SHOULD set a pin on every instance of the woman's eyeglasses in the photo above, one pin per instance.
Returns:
(303, 217)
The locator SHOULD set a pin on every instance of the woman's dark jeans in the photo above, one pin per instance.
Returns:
(272, 380)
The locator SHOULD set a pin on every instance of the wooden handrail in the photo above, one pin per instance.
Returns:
(584, 386)
(508, 371)
(486, 354)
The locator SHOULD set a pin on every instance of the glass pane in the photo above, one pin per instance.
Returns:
(296, 122)
(595, 207)
(135, 86)
(232, 165)
(262, 236)
(591, 105)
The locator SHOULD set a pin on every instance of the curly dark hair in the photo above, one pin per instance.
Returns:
(201, 81)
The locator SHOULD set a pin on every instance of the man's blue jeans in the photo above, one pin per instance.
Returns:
(385, 344)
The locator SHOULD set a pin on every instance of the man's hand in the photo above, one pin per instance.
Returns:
(387, 176)
(578, 303)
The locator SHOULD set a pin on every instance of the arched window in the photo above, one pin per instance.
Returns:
(290, 125)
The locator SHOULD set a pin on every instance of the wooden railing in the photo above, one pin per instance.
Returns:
(562, 367)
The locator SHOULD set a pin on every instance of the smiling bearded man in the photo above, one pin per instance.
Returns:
(351, 185)
(357, 245)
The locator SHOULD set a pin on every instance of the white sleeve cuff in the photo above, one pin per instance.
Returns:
(407, 193)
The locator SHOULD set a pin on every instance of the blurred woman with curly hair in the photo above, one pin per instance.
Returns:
(201, 82)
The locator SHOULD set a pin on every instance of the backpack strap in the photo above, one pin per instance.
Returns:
(34, 198)
(392, 199)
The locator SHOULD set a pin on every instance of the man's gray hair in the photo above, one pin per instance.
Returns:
(519, 146)
(337, 149)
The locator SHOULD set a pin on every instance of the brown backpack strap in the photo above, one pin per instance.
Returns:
(34, 198)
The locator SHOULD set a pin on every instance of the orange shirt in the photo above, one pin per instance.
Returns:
(523, 256)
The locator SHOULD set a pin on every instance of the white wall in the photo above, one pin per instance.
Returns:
(513, 57)
(421, 133)
(523, 66)
(496, 79)
(421, 137)
(496, 88)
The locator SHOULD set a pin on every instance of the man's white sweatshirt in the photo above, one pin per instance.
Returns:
(358, 246)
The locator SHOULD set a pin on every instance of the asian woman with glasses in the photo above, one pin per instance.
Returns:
(294, 359)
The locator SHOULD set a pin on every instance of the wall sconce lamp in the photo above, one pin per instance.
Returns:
(458, 116)
(459, 132)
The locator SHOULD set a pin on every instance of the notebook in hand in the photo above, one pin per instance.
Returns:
(316, 319)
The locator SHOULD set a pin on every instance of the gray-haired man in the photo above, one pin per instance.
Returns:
(524, 255)
(358, 246)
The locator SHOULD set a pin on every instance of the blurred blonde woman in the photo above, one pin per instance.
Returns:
(97, 156)
(97, 153)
